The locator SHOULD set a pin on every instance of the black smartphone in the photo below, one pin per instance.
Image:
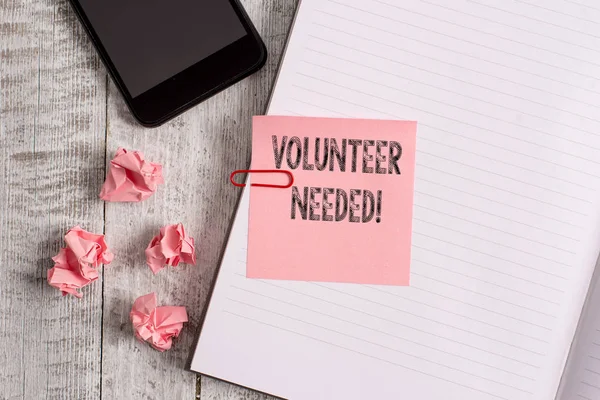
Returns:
(169, 55)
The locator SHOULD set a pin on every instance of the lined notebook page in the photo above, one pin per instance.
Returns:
(505, 231)
(581, 379)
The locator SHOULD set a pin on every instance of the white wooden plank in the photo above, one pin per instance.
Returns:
(198, 150)
(52, 139)
(273, 19)
(273, 23)
(51, 134)
(212, 389)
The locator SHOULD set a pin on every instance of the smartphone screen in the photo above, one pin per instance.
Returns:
(151, 41)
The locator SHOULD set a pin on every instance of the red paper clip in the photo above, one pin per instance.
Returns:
(262, 171)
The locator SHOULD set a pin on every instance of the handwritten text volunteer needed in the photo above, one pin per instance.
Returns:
(345, 155)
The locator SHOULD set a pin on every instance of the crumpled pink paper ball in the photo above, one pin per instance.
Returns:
(156, 325)
(90, 249)
(171, 246)
(76, 265)
(130, 177)
(65, 275)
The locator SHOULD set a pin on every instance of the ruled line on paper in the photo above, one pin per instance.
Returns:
(502, 205)
(443, 76)
(453, 106)
(582, 5)
(491, 172)
(464, 123)
(339, 113)
(479, 237)
(447, 214)
(448, 132)
(505, 204)
(293, 113)
(439, 129)
(586, 145)
(592, 371)
(583, 200)
(489, 268)
(583, 397)
(461, 177)
(403, 77)
(475, 44)
(481, 183)
(440, 75)
(528, 211)
(511, 289)
(508, 288)
(555, 303)
(501, 189)
(479, 31)
(456, 313)
(561, 13)
(370, 356)
(380, 56)
(469, 193)
(379, 331)
(515, 346)
(490, 255)
(473, 375)
(438, 309)
(507, 275)
(489, 213)
(478, 293)
(523, 168)
(513, 26)
(590, 385)
(533, 19)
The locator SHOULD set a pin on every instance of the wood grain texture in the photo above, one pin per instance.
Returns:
(52, 144)
(212, 389)
(273, 20)
(59, 124)
(198, 149)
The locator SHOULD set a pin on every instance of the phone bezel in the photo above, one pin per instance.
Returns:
(194, 84)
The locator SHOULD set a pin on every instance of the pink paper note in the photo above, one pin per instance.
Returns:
(76, 265)
(130, 177)
(348, 216)
(171, 246)
(89, 249)
(156, 325)
(66, 275)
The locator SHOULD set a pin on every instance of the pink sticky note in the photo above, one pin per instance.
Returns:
(348, 216)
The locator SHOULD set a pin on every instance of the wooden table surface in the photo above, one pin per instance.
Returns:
(61, 120)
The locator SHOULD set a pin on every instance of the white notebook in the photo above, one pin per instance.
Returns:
(506, 218)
